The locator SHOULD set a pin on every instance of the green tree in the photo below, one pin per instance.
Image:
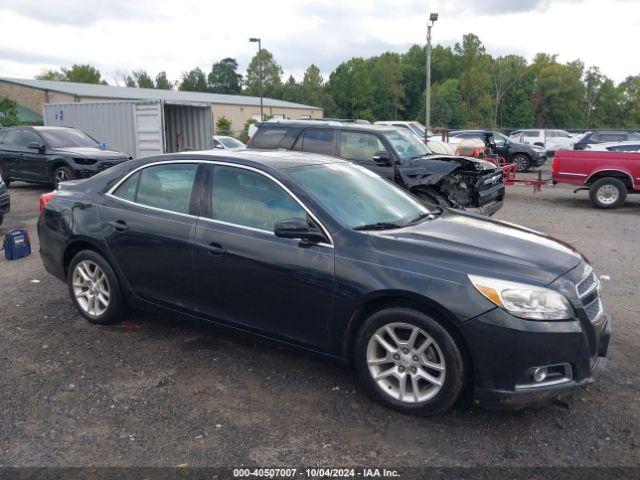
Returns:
(82, 74)
(143, 79)
(413, 82)
(51, 75)
(77, 73)
(559, 93)
(224, 77)
(506, 73)
(271, 72)
(162, 82)
(609, 106)
(630, 101)
(8, 112)
(447, 107)
(244, 135)
(475, 80)
(223, 126)
(193, 81)
(593, 81)
(352, 90)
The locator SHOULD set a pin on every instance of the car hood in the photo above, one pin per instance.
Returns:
(429, 170)
(92, 152)
(463, 243)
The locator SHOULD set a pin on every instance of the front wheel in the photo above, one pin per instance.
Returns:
(94, 288)
(62, 174)
(608, 193)
(522, 162)
(409, 361)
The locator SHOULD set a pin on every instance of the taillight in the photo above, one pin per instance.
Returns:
(44, 199)
(555, 165)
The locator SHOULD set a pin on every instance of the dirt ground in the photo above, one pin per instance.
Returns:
(158, 392)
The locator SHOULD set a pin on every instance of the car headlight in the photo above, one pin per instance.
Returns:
(524, 301)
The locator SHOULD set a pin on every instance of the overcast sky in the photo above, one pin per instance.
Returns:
(176, 35)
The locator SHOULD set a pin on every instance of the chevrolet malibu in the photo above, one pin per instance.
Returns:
(325, 255)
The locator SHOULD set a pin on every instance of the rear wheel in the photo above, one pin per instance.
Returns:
(522, 162)
(62, 174)
(409, 361)
(94, 288)
(608, 193)
(5, 179)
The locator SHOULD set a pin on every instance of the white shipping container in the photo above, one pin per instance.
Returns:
(138, 127)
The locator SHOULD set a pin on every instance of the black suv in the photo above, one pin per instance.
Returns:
(442, 180)
(591, 138)
(51, 155)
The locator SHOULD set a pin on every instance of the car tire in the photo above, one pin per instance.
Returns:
(434, 375)
(1, 219)
(62, 174)
(522, 162)
(94, 288)
(608, 193)
(5, 179)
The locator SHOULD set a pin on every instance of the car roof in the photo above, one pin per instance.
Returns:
(277, 159)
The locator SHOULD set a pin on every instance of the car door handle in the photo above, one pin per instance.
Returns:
(119, 225)
(215, 249)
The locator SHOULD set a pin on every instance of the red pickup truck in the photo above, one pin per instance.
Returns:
(609, 176)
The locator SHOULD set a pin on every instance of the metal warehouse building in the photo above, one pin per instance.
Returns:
(31, 95)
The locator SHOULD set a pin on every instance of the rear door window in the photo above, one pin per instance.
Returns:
(12, 137)
(167, 187)
(269, 137)
(318, 140)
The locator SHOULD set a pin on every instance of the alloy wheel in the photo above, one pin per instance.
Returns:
(91, 288)
(406, 362)
(521, 163)
(607, 194)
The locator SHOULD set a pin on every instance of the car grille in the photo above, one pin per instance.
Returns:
(104, 165)
(587, 290)
(594, 309)
(586, 285)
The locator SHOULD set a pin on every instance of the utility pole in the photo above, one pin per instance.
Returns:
(259, 72)
(432, 19)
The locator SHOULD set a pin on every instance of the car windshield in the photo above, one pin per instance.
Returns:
(418, 129)
(359, 198)
(230, 142)
(406, 145)
(68, 137)
(500, 138)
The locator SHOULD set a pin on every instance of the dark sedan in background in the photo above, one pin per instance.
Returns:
(51, 155)
(326, 255)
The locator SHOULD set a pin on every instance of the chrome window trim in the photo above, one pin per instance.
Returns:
(576, 174)
(226, 164)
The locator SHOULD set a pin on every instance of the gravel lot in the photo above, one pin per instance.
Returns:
(158, 392)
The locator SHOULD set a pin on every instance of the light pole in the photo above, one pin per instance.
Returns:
(253, 40)
(432, 19)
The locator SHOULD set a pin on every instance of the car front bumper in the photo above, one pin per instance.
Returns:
(505, 349)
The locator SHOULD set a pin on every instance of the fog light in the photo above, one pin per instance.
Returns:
(539, 374)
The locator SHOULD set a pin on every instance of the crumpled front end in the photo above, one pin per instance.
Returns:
(461, 182)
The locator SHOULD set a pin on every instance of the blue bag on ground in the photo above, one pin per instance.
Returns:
(16, 244)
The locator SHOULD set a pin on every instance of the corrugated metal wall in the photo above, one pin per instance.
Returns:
(109, 122)
(187, 126)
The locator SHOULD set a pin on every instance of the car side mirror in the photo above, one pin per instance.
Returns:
(218, 146)
(35, 146)
(297, 228)
(382, 157)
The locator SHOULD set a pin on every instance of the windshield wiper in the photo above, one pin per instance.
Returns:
(378, 226)
(420, 216)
